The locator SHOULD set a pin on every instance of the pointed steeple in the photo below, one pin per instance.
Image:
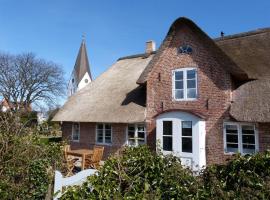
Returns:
(81, 74)
(82, 64)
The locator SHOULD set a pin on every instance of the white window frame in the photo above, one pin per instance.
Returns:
(183, 136)
(136, 134)
(171, 136)
(103, 132)
(184, 70)
(239, 131)
(72, 133)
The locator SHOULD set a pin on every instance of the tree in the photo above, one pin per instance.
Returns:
(26, 80)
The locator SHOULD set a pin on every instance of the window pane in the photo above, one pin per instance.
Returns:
(191, 93)
(75, 136)
(187, 145)
(232, 138)
(100, 139)
(232, 148)
(248, 149)
(76, 126)
(191, 74)
(178, 84)
(131, 142)
(248, 130)
(167, 127)
(249, 139)
(107, 126)
(100, 133)
(107, 133)
(100, 126)
(100, 136)
(141, 128)
(179, 75)
(131, 134)
(191, 84)
(141, 135)
(141, 142)
(231, 129)
(167, 143)
(186, 128)
(179, 94)
(131, 128)
(108, 140)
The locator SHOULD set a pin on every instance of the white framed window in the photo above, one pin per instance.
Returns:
(167, 136)
(187, 136)
(185, 84)
(240, 138)
(136, 134)
(104, 134)
(75, 136)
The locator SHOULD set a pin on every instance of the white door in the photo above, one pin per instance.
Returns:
(183, 135)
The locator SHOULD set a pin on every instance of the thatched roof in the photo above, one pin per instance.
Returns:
(114, 97)
(251, 102)
(220, 56)
(250, 51)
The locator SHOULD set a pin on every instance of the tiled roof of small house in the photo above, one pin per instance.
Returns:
(114, 97)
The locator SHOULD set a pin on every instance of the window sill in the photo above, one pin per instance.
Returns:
(105, 144)
(185, 99)
(77, 141)
(229, 153)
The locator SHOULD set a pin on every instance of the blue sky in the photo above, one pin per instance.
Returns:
(53, 28)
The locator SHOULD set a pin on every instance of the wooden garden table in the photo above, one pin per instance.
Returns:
(83, 153)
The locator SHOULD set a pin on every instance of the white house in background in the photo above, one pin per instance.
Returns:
(81, 75)
(42, 117)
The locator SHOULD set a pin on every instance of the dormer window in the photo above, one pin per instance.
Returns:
(185, 84)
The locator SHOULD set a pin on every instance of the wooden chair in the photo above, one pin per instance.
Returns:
(94, 160)
(70, 161)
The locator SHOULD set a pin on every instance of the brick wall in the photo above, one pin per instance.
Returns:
(264, 136)
(214, 89)
(88, 137)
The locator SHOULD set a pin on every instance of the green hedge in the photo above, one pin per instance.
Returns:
(138, 173)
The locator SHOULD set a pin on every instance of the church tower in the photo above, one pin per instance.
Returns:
(81, 75)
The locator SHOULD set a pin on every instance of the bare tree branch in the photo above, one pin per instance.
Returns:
(26, 80)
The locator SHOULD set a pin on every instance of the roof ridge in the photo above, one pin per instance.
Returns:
(243, 34)
(136, 56)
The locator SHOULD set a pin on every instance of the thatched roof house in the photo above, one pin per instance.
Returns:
(203, 99)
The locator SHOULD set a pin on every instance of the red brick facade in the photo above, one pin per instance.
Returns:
(264, 136)
(88, 137)
(214, 89)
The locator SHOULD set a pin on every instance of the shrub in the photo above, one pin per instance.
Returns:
(26, 163)
(138, 173)
(244, 177)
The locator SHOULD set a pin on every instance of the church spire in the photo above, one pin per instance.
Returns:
(81, 74)
(82, 64)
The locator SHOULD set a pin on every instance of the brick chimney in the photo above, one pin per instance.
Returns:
(150, 46)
